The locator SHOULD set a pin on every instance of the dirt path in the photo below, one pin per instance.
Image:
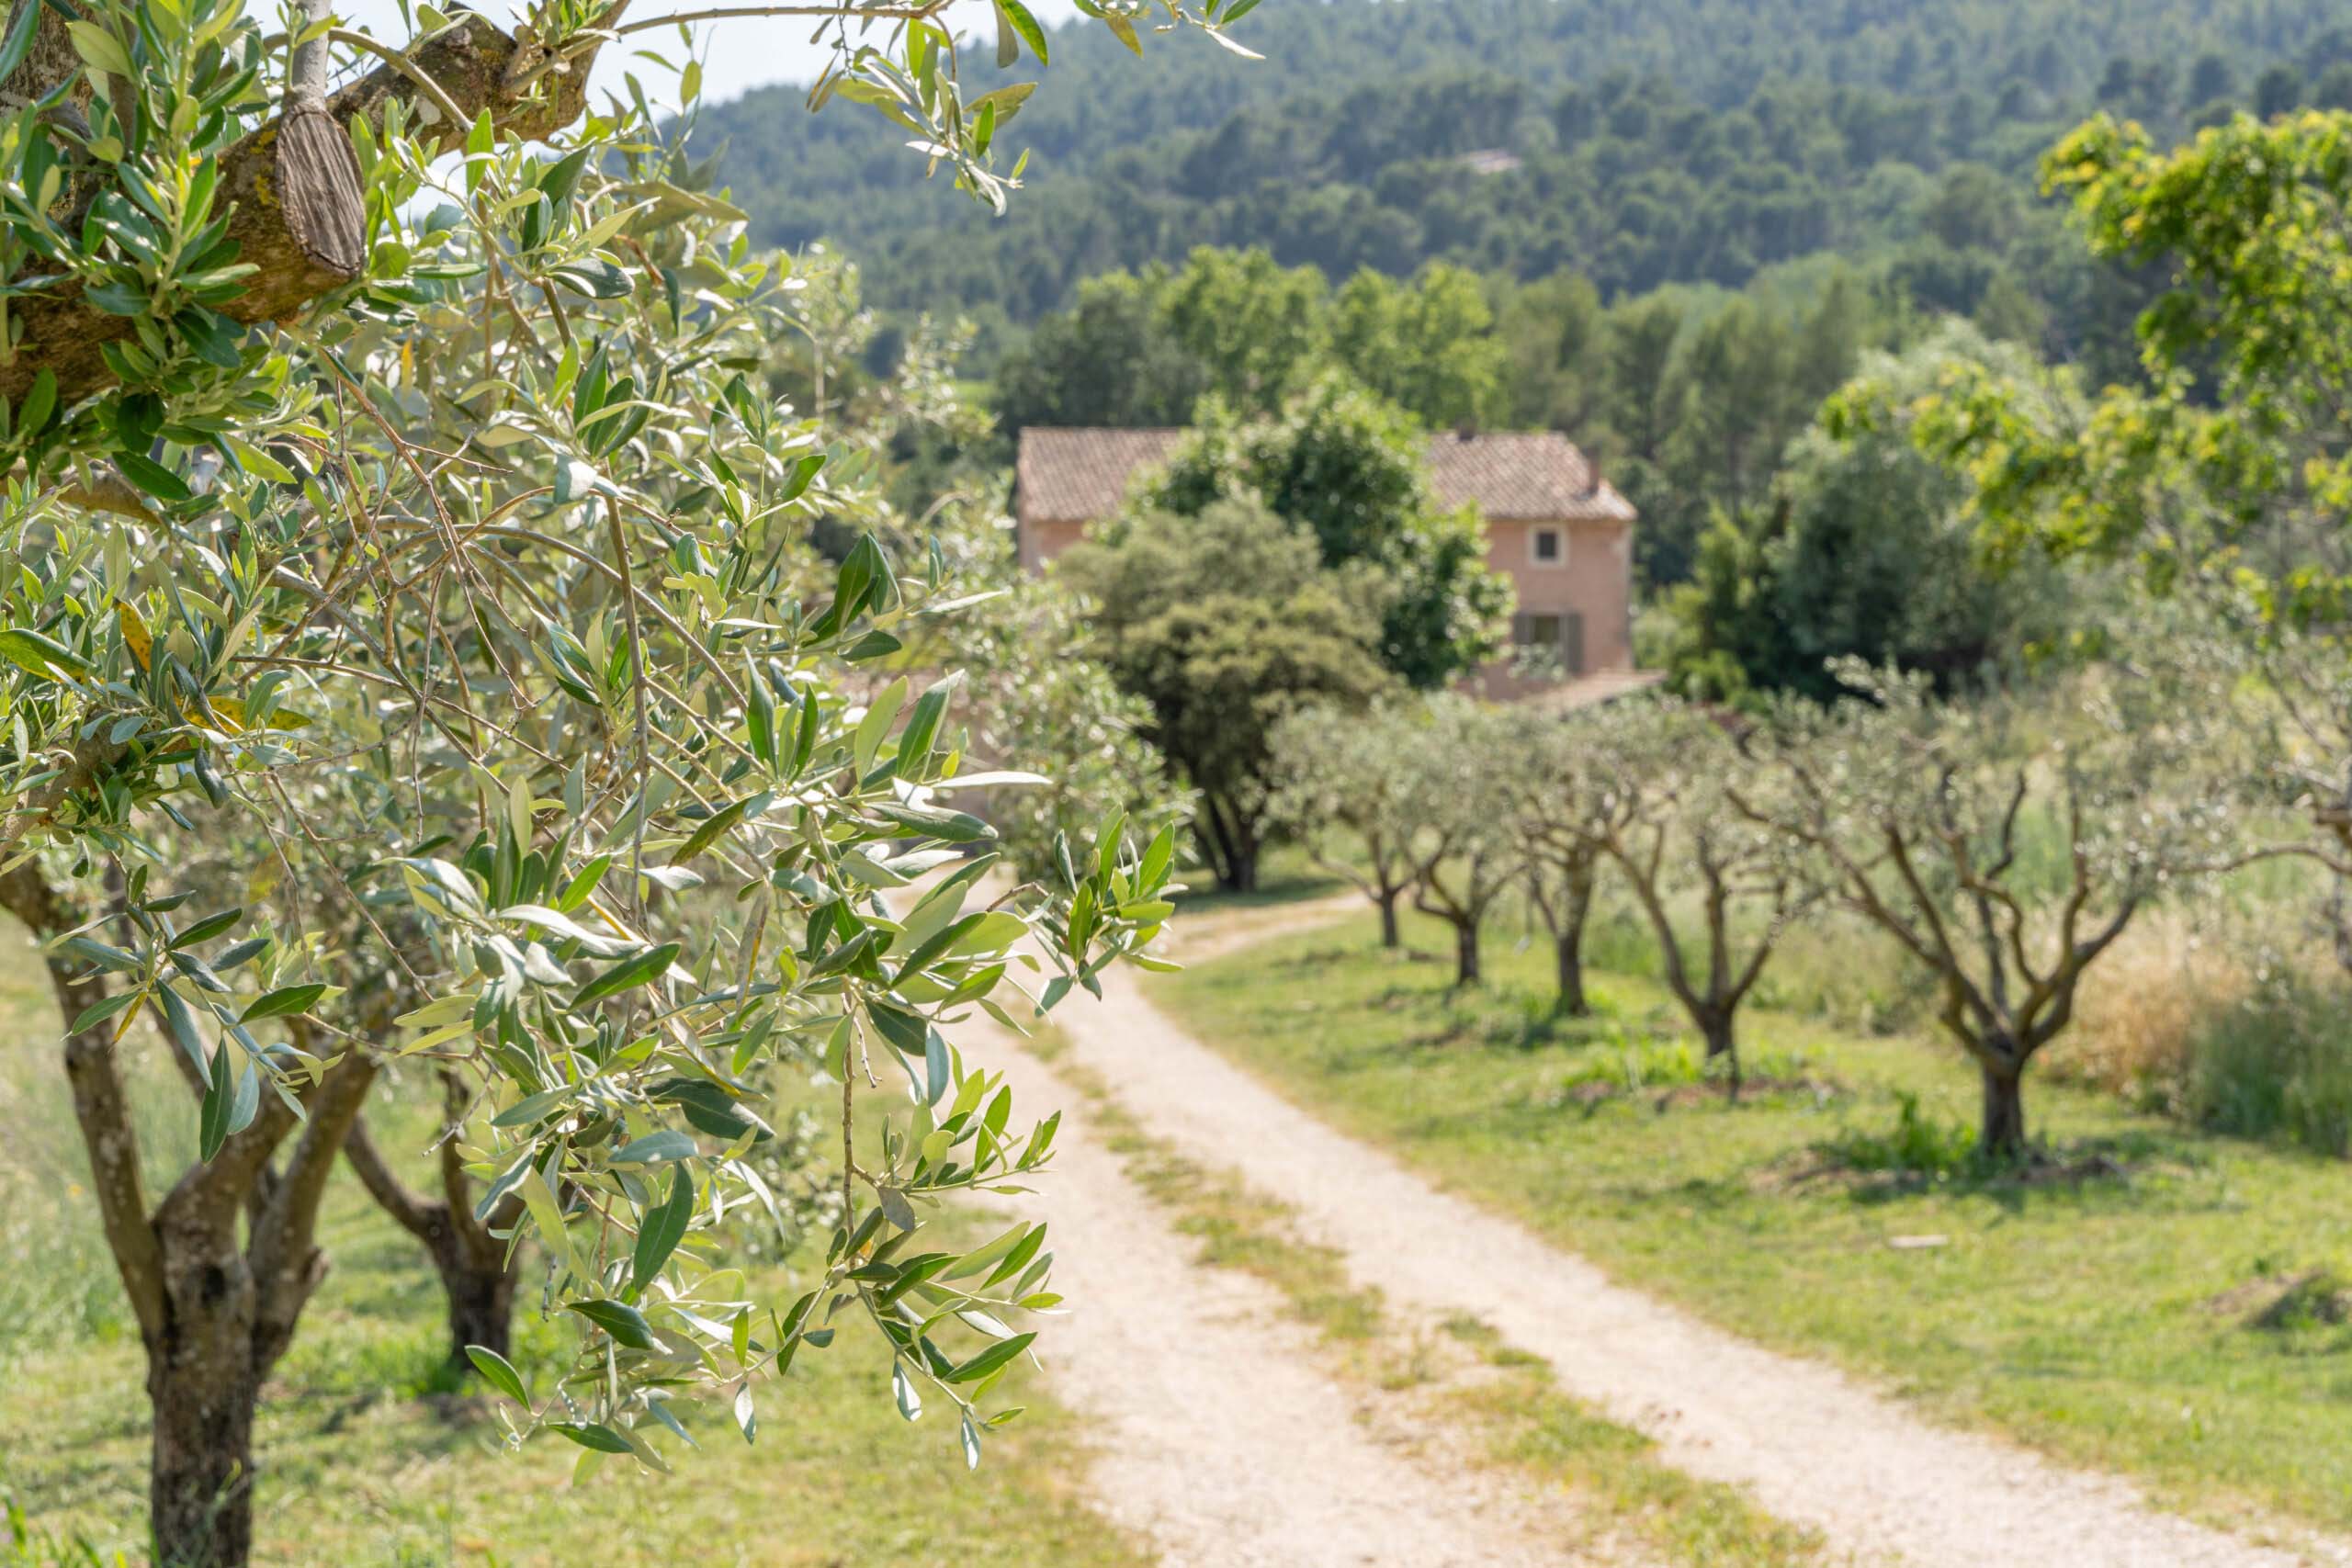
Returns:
(1219, 1435)
(1213, 1424)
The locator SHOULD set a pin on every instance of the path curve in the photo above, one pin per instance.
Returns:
(1812, 1445)
(1217, 1437)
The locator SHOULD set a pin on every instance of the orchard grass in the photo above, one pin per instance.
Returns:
(1501, 1399)
(377, 1456)
(2107, 1316)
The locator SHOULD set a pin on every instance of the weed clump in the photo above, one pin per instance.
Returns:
(1923, 1144)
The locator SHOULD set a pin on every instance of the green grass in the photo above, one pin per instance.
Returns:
(2111, 1320)
(369, 1463)
(1507, 1405)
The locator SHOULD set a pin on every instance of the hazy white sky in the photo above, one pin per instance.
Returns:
(737, 55)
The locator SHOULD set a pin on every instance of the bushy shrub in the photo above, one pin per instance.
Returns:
(2276, 1063)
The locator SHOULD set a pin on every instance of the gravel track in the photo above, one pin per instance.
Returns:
(1222, 1443)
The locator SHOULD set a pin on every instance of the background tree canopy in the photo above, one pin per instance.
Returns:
(1693, 140)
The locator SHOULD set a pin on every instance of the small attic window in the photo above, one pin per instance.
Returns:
(1547, 547)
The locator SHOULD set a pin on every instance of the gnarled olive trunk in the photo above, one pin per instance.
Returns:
(216, 1273)
(1391, 936)
(1567, 966)
(199, 1490)
(1561, 889)
(204, 1377)
(482, 1310)
(1466, 952)
(1723, 1045)
(2001, 1134)
(478, 1277)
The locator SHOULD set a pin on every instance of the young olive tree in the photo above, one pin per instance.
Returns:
(1354, 773)
(265, 538)
(2005, 865)
(1466, 849)
(1562, 784)
(1669, 819)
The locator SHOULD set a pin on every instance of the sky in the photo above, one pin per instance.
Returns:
(738, 55)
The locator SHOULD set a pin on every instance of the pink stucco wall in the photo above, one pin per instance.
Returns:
(1594, 581)
(1041, 542)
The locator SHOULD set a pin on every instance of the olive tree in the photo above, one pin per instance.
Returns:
(1466, 849)
(1354, 773)
(1562, 785)
(2005, 862)
(1669, 817)
(259, 540)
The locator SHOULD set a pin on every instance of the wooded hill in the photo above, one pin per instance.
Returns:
(1635, 142)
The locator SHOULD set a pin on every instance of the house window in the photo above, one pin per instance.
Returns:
(1547, 547)
(1550, 641)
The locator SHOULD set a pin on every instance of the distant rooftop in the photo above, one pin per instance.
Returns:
(1490, 161)
(1078, 475)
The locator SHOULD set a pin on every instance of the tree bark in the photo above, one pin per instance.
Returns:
(2001, 1137)
(478, 1278)
(1568, 965)
(481, 1308)
(1229, 844)
(1466, 952)
(297, 198)
(204, 1387)
(1723, 1042)
(1391, 935)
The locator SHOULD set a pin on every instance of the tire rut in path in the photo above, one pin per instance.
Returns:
(1812, 1445)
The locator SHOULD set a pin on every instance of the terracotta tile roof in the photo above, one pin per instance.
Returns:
(1075, 476)
(1536, 476)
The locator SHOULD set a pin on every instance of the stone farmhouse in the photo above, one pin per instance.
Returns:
(1559, 530)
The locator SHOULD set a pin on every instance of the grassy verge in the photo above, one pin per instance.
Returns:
(2129, 1318)
(1501, 1398)
(371, 1463)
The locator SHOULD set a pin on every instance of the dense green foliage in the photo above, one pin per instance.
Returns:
(1348, 472)
(2276, 1063)
(1865, 547)
(1143, 348)
(1645, 150)
(1226, 621)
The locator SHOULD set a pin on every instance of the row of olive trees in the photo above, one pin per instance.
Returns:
(2003, 846)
